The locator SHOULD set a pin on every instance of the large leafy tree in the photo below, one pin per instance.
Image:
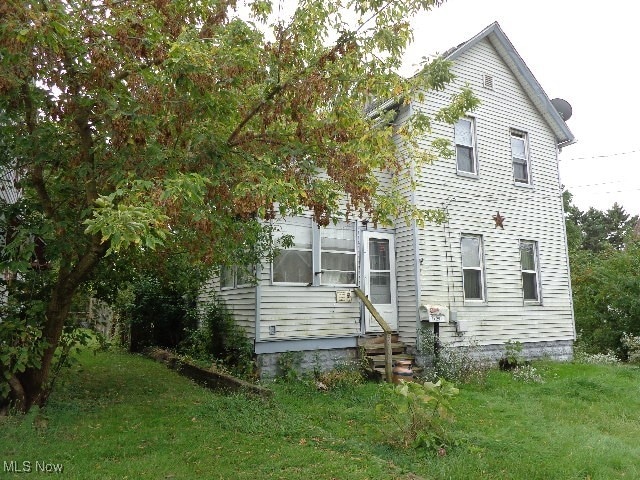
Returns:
(140, 123)
(606, 293)
(604, 252)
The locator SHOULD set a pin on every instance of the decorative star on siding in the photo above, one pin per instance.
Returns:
(499, 219)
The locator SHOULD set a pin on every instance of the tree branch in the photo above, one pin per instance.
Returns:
(125, 73)
(283, 86)
(37, 171)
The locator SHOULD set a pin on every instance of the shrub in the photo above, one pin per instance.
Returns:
(346, 373)
(418, 415)
(21, 347)
(159, 315)
(220, 340)
(608, 358)
(631, 347)
(512, 357)
(457, 364)
(289, 366)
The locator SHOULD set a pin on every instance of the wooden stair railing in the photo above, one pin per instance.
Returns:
(385, 328)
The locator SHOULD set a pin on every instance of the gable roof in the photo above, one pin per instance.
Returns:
(494, 34)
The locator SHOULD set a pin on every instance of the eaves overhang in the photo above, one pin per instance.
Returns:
(507, 52)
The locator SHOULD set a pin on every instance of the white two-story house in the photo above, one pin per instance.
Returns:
(496, 270)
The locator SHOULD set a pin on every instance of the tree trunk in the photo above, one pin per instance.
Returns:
(34, 381)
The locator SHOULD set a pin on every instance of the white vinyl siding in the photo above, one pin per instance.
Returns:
(529, 267)
(465, 146)
(531, 213)
(520, 157)
(434, 256)
(240, 301)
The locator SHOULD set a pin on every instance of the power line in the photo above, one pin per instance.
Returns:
(607, 155)
(595, 184)
(615, 191)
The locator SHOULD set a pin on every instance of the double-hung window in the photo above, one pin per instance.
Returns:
(529, 267)
(294, 264)
(338, 254)
(465, 146)
(520, 157)
(472, 267)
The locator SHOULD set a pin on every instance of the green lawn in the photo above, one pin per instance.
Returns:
(124, 416)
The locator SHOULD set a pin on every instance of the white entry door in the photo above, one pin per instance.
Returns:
(379, 278)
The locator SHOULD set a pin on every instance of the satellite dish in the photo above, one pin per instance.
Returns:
(563, 107)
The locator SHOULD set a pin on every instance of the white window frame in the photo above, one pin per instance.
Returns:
(474, 155)
(234, 276)
(479, 268)
(300, 222)
(535, 271)
(353, 253)
(522, 135)
(230, 273)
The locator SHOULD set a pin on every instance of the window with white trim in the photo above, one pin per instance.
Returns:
(472, 267)
(520, 157)
(294, 265)
(464, 138)
(236, 277)
(338, 254)
(529, 267)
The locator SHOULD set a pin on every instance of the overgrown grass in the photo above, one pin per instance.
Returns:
(124, 416)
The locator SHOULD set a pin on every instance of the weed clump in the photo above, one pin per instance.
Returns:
(459, 364)
(418, 415)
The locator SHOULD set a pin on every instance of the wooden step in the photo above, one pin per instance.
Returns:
(378, 339)
(378, 360)
(380, 373)
(378, 349)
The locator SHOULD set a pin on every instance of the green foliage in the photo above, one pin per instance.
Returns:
(607, 358)
(345, 374)
(631, 347)
(606, 295)
(141, 128)
(219, 339)
(596, 230)
(512, 357)
(418, 415)
(288, 366)
(605, 276)
(459, 364)
(159, 315)
(22, 347)
(126, 416)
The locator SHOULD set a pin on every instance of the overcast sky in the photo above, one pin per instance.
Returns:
(582, 51)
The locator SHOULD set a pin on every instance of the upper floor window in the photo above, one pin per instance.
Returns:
(465, 146)
(520, 157)
(472, 267)
(294, 265)
(529, 267)
(338, 254)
